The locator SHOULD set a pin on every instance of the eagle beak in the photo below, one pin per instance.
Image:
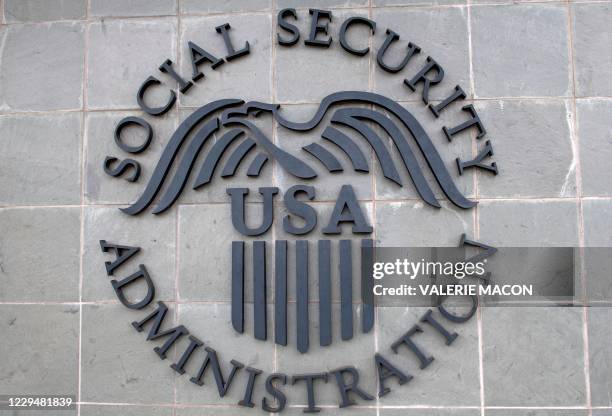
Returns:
(254, 108)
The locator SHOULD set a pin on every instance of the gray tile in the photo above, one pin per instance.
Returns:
(106, 8)
(602, 412)
(230, 6)
(118, 364)
(358, 352)
(122, 54)
(155, 235)
(308, 74)
(440, 33)
(533, 149)
(460, 147)
(490, 2)
(553, 273)
(429, 412)
(41, 66)
(592, 56)
(334, 410)
(319, 4)
(43, 10)
(597, 222)
(40, 349)
(536, 412)
(39, 254)
(528, 223)
(520, 50)
(41, 159)
(533, 357)
(226, 410)
(211, 323)
(205, 268)
(450, 380)
(415, 224)
(294, 141)
(36, 412)
(595, 138)
(600, 356)
(246, 77)
(384, 3)
(597, 267)
(99, 136)
(100, 410)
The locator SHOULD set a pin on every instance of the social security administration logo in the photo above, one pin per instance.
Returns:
(216, 139)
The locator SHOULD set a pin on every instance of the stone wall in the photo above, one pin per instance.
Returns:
(539, 73)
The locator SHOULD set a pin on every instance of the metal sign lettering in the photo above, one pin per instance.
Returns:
(383, 126)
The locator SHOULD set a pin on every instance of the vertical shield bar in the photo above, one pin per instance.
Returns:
(325, 324)
(280, 293)
(367, 284)
(301, 274)
(346, 289)
(238, 285)
(259, 289)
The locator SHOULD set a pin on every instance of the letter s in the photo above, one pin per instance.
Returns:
(274, 392)
(300, 209)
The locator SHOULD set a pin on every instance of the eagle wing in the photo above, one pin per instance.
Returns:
(228, 119)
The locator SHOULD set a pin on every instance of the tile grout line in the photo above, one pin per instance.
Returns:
(479, 322)
(176, 292)
(178, 211)
(476, 218)
(274, 168)
(323, 202)
(579, 194)
(82, 209)
(417, 6)
(274, 164)
(373, 196)
(201, 302)
(330, 406)
(25, 113)
(470, 49)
